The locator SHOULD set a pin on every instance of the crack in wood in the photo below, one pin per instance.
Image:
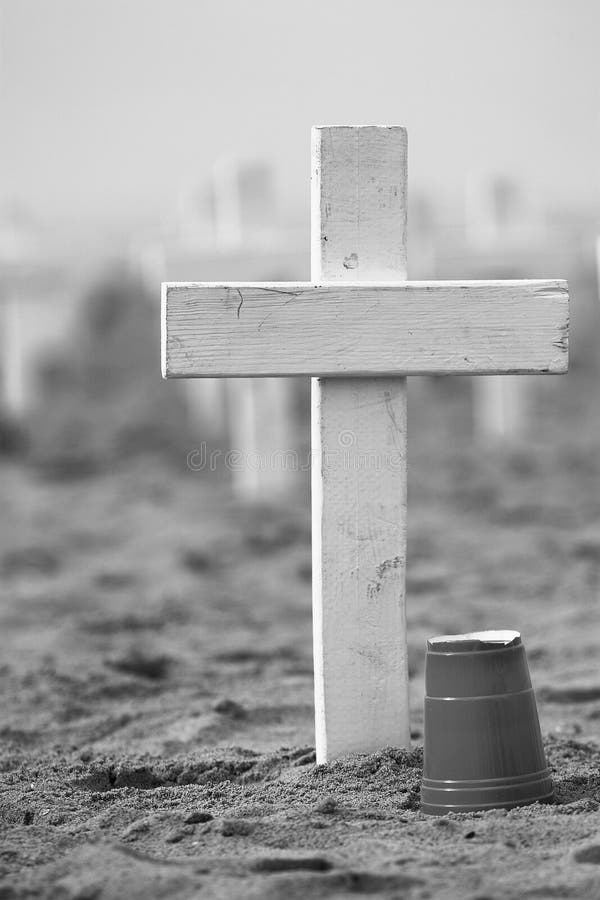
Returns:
(241, 302)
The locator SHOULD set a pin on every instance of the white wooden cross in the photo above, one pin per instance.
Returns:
(359, 328)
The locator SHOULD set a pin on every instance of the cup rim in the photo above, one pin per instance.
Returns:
(482, 642)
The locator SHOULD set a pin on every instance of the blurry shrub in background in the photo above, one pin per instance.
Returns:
(103, 399)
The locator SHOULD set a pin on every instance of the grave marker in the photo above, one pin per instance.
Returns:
(260, 412)
(238, 234)
(36, 308)
(500, 405)
(359, 328)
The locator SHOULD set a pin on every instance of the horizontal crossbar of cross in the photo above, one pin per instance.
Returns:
(364, 329)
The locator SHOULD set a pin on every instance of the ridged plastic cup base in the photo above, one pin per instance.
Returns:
(439, 798)
(482, 746)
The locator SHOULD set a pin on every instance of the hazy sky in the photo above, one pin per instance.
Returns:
(109, 106)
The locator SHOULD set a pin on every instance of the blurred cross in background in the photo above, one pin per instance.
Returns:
(239, 236)
(34, 310)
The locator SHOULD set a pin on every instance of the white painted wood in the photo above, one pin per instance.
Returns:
(294, 328)
(360, 320)
(359, 452)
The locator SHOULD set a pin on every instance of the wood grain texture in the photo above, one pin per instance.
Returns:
(342, 329)
(359, 450)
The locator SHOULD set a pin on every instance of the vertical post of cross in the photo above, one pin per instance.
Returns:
(359, 458)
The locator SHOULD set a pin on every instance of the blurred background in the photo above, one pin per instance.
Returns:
(149, 141)
(146, 140)
(155, 602)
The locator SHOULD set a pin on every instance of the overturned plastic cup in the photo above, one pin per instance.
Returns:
(482, 741)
